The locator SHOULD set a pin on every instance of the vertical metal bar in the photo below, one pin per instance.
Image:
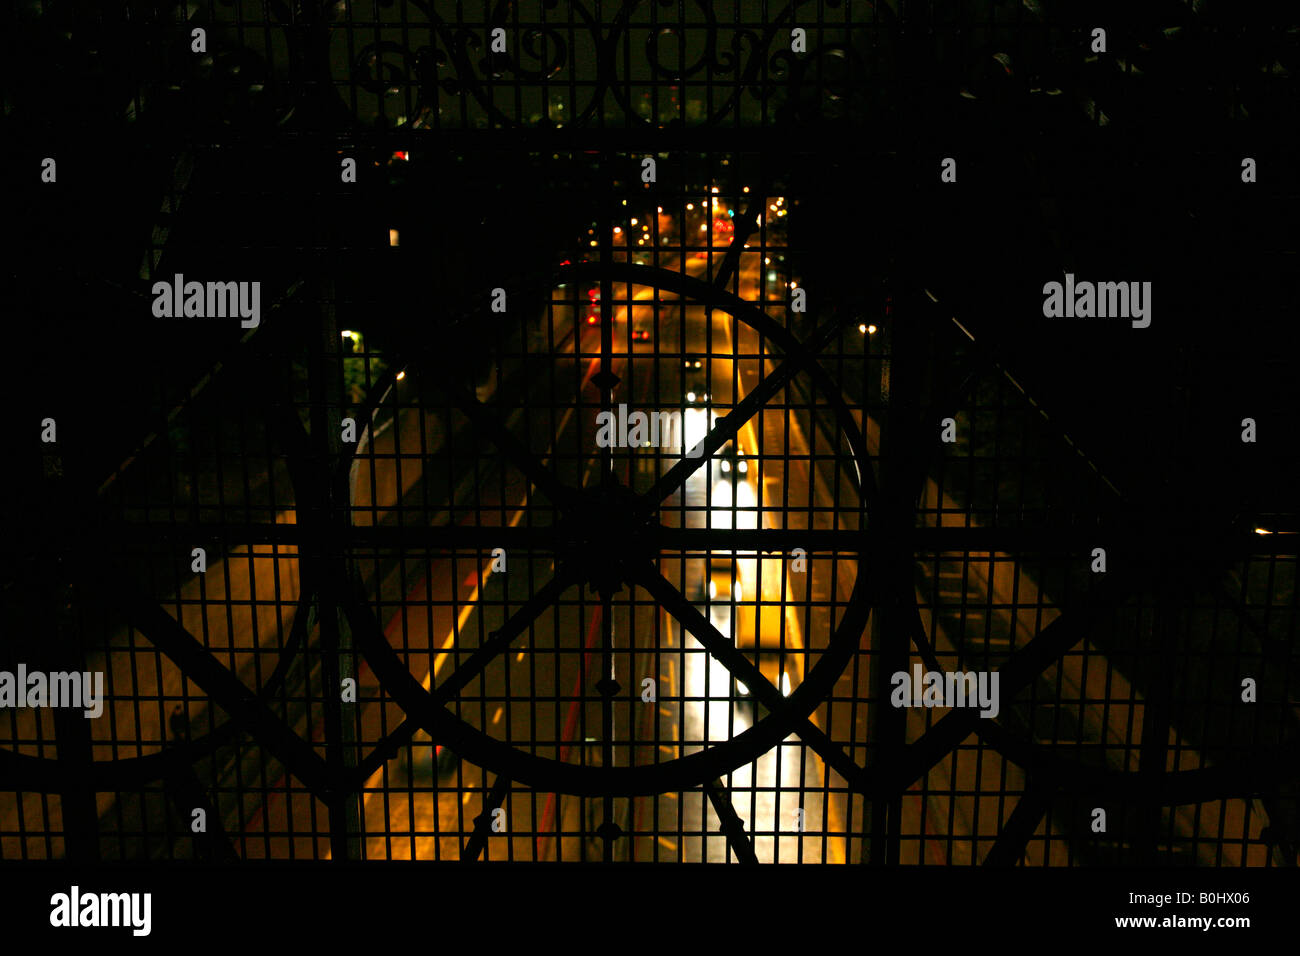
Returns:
(605, 226)
(335, 637)
(71, 727)
(901, 439)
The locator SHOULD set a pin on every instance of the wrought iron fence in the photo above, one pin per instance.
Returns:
(582, 495)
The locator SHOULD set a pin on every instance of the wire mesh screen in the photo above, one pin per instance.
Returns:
(563, 433)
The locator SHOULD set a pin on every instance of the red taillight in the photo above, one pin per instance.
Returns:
(591, 320)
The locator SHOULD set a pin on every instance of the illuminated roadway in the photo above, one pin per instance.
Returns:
(537, 700)
(697, 701)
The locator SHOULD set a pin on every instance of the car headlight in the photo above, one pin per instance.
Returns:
(690, 396)
(726, 465)
(743, 467)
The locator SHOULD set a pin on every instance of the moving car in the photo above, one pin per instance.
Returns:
(424, 761)
(724, 581)
(733, 464)
(769, 665)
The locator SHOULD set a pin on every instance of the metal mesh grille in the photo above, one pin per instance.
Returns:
(367, 582)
